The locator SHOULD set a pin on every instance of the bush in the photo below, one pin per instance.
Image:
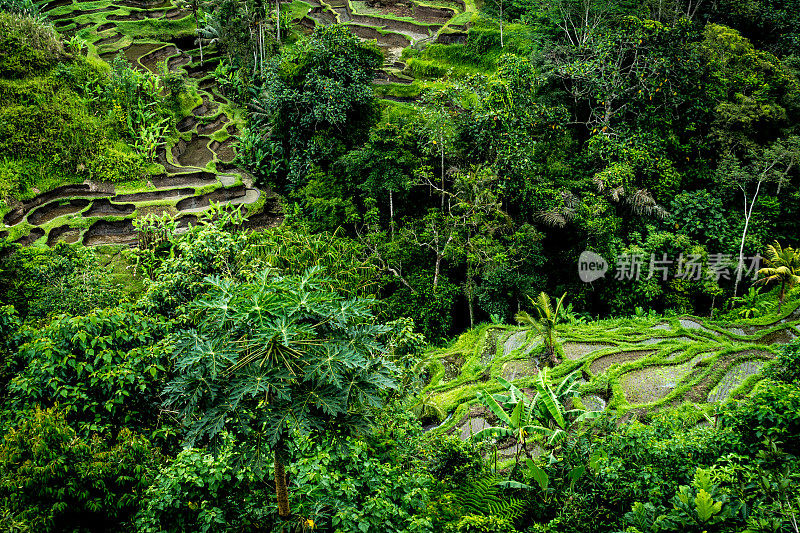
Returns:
(103, 369)
(42, 282)
(787, 364)
(453, 460)
(201, 492)
(484, 524)
(112, 164)
(27, 46)
(53, 480)
(773, 412)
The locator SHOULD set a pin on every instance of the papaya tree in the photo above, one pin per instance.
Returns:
(276, 357)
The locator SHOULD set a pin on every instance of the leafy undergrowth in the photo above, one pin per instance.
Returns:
(633, 366)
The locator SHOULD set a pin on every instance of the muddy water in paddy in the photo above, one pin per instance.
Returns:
(150, 196)
(188, 179)
(517, 369)
(224, 150)
(323, 16)
(33, 236)
(55, 209)
(211, 127)
(80, 12)
(186, 123)
(194, 153)
(218, 196)
(144, 4)
(652, 383)
(102, 208)
(63, 233)
(782, 336)
(105, 231)
(137, 15)
(601, 364)
(576, 350)
(18, 213)
(108, 40)
(388, 39)
(734, 377)
(151, 60)
(174, 63)
(201, 71)
(135, 51)
(206, 108)
(56, 4)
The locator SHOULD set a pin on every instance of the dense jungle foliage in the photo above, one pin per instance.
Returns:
(221, 379)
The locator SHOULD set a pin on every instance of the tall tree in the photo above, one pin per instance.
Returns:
(316, 102)
(772, 164)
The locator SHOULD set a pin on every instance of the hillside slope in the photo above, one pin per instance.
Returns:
(634, 367)
(197, 158)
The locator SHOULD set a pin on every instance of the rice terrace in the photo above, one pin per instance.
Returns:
(399, 266)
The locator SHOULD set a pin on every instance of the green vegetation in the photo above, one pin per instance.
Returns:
(259, 262)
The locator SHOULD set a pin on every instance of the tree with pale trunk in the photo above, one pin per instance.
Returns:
(771, 165)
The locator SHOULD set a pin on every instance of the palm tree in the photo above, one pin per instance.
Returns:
(783, 267)
(546, 319)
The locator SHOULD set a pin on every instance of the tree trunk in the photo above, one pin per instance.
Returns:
(441, 150)
(781, 296)
(278, 21)
(391, 213)
(281, 491)
(747, 214)
(501, 24)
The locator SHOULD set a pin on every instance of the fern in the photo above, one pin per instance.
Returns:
(484, 497)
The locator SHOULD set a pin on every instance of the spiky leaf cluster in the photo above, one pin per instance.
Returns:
(276, 354)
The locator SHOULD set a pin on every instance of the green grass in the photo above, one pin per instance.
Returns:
(696, 360)
(297, 9)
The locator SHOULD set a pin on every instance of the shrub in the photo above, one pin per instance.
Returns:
(102, 368)
(53, 480)
(787, 364)
(27, 46)
(200, 492)
(454, 460)
(42, 282)
(773, 412)
(484, 524)
(112, 164)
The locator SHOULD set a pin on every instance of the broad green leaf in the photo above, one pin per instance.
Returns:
(489, 401)
(706, 507)
(547, 397)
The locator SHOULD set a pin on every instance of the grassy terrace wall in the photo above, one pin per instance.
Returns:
(634, 367)
(197, 160)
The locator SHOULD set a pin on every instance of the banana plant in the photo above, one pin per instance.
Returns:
(543, 416)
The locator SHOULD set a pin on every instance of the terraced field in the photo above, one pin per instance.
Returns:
(198, 166)
(634, 367)
(393, 26)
